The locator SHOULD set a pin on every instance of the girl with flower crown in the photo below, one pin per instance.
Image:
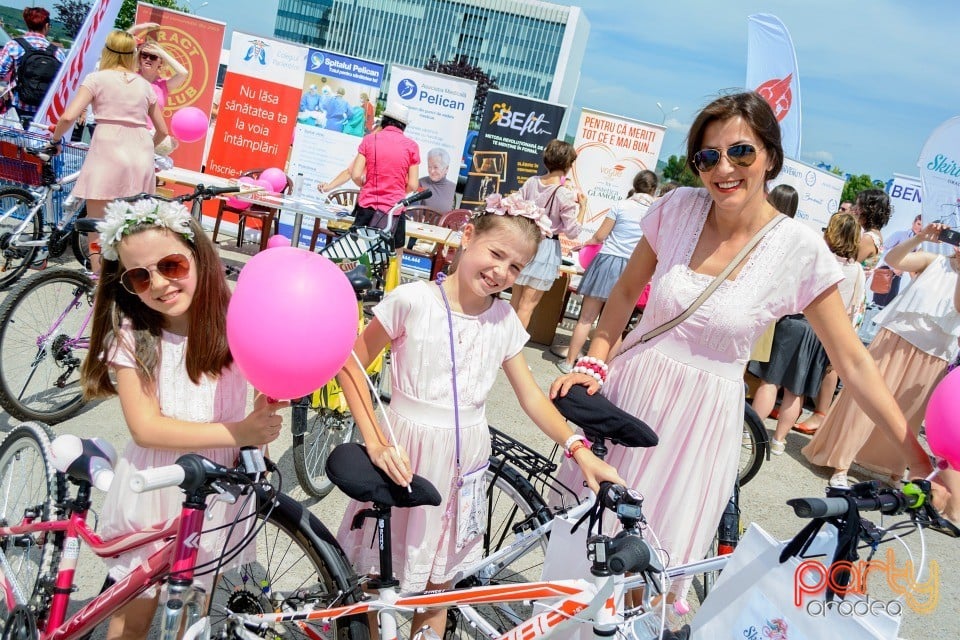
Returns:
(158, 341)
(448, 341)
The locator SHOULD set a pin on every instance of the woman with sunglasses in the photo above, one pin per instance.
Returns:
(119, 162)
(687, 382)
(158, 341)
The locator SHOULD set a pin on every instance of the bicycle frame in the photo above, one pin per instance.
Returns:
(43, 199)
(177, 558)
(78, 341)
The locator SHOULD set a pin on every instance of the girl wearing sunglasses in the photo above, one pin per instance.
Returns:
(158, 341)
(154, 60)
(687, 382)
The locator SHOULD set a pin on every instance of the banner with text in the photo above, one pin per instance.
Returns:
(940, 173)
(335, 109)
(440, 107)
(513, 134)
(772, 72)
(819, 192)
(261, 93)
(81, 60)
(195, 43)
(611, 150)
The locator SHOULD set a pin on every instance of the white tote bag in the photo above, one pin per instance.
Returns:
(753, 598)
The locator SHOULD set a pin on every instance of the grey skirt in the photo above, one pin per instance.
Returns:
(601, 274)
(544, 268)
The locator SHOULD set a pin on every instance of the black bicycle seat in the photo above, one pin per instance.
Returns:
(353, 472)
(86, 225)
(600, 418)
(358, 279)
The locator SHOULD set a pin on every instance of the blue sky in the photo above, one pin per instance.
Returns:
(876, 77)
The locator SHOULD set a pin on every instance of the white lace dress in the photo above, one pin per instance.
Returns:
(687, 383)
(222, 399)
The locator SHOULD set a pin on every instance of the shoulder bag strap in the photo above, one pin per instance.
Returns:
(737, 259)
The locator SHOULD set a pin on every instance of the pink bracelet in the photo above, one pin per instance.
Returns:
(592, 367)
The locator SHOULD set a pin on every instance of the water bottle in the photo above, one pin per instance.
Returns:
(298, 185)
(90, 459)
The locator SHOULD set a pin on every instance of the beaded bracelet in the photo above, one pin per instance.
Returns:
(594, 367)
(579, 444)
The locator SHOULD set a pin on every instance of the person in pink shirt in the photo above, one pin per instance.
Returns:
(387, 168)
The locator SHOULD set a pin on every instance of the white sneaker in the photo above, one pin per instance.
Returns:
(564, 366)
(777, 447)
(839, 480)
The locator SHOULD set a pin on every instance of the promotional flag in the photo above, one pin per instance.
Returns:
(81, 60)
(195, 43)
(513, 134)
(611, 150)
(940, 174)
(772, 72)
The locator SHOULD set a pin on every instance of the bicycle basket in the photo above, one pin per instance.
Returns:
(19, 168)
(364, 245)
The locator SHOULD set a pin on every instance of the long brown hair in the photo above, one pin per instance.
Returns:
(207, 349)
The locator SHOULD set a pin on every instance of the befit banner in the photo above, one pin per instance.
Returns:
(335, 109)
(195, 43)
(611, 150)
(772, 72)
(906, 199)
(513, 134)
(258, 105)
(819, 192)
(440, 107)
(81, 60)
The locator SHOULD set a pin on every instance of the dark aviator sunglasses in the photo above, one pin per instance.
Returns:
(175, 266)
(742, 155)
(152, 57)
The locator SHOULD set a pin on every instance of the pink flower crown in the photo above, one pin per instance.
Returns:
(515, 205)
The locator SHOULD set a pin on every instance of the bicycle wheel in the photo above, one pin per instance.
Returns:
(15, 205)
(514, 506)
(753, 446)
(80, 242)
(29, 488)
(317, 431)
(43, 341)
(298, 564)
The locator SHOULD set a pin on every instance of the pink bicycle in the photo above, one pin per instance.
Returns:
(297, 561)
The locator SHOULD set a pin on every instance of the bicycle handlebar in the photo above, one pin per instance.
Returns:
(887, 504)
(192, 471)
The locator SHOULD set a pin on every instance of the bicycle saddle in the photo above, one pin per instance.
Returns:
(600, 418)
(86, 225)
(353, 472)
(358, 279)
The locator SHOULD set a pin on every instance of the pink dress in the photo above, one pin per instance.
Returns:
(119, 162)
(421, 412)
(687, 383)
(222, 399)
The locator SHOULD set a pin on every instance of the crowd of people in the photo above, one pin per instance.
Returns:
(722, 265)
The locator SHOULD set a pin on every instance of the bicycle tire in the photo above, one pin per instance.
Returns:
(15, 260)
(512, 502)
(753, 446)
(25, 462)
(80, 242)
(317, 431)
(40, 376)
(308, 557)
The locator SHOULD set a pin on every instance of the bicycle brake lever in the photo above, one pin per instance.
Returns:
(938, 523)
(227, 493)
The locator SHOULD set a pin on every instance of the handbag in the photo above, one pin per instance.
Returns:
(882, 280)
(754, 598)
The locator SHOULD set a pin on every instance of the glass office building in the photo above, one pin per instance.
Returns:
(532, 48)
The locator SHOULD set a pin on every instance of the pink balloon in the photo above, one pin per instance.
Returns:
(240, 204)
(189, 124)
(309, 331)
(266, 184)
(587, 254)
(942, 420)
(278, 240)
(275, 177)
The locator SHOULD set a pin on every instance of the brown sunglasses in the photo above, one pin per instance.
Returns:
(175, 266)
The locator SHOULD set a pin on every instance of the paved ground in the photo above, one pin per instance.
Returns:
(763, 499)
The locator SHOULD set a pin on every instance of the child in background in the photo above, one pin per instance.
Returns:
(438, 404)
(158, 340)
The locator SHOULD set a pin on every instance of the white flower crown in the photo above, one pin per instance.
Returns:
(122, 216)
